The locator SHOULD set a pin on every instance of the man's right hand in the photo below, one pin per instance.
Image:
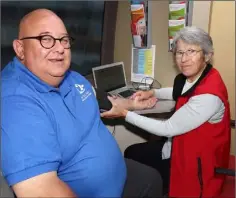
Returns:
(143, 95)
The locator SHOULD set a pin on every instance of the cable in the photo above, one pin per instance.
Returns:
(140, 83)
(146, 85)
(114, 131)
(154, 87)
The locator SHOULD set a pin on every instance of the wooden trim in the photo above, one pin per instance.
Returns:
(201, 14)
(210, 18)
(109, 29)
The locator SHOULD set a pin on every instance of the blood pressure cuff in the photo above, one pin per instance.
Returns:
(103, 102)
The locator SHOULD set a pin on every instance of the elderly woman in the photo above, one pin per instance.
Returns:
(199, 130)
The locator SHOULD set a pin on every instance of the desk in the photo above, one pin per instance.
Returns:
(127, 134)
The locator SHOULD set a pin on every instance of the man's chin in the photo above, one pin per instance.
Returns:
(58, 73)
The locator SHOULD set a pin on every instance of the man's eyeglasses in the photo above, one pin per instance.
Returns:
(189, 53)
(48, 41)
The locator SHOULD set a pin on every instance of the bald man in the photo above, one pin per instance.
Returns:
(54, 143)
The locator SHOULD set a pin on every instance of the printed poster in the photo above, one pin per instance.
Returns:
(143, 64)
(174, 26)
(177, 11)
(138, 25)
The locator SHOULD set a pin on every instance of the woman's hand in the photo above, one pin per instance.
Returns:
(144, 104)
(143, 95)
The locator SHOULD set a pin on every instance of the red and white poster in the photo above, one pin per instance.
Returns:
(139, 25)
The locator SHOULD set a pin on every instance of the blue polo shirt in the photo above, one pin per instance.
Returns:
(47, 129)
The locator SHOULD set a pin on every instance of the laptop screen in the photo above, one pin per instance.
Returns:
(110, 78)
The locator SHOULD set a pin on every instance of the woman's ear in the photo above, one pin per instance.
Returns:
(18, 48)
(208, 57)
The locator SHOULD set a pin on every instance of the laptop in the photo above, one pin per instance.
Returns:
(111, 79)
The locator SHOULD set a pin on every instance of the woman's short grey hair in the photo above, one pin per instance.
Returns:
(195, 36)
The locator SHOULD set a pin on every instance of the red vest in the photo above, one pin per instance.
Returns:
(197, 153)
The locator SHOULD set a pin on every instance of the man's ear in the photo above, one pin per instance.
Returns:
(18, 48)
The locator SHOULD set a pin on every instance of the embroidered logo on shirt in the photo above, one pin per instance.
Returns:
(81, 89)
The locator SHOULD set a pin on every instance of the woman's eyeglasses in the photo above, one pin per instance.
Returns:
(188, 53)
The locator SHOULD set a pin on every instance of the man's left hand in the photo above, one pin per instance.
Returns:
(120, 106)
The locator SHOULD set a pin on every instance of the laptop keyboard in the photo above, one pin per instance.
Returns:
(127, 93)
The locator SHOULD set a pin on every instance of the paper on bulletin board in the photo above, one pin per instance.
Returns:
(177, 11)
(138, 25)
(143, 64)
(174, 26)
(178, 2)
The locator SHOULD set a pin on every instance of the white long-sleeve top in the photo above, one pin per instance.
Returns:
(199, 109)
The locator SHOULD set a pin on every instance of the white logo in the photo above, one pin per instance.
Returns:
(80, 88)
(84, 94)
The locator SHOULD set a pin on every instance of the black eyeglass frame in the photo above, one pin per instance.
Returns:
(40, 38)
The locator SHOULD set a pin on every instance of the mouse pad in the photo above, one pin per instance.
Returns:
(103, 102)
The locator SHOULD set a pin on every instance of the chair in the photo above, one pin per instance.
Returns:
(228, 190)
(229, 185)
(5, 191)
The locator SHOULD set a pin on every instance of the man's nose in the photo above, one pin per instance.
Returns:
(58, 46)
